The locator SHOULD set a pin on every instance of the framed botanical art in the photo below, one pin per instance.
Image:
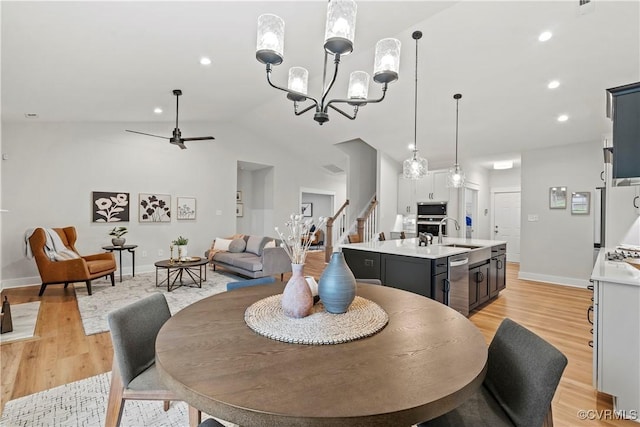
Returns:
(109, 206)
(558, 198)
(186, 208)
(306, 209)
(154, 207)
(580, 201)
(239, 209)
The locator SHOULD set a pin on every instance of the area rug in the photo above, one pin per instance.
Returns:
(106, 298)
(23, 317)
(84, 404)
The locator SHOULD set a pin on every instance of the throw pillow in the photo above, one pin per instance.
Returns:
(237, 245)
(255, 244)
(222, 244)
(270, 244)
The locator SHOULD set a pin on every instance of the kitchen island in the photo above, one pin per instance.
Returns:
(616, 333)
(460, 273)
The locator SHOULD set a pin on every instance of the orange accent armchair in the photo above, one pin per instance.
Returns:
(83, 269)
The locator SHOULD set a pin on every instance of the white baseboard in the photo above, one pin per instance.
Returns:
(20, 282)
(556, 280)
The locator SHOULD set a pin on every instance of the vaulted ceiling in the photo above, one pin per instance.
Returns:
(117, 61)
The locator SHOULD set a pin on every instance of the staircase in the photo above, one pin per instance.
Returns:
(365, 226)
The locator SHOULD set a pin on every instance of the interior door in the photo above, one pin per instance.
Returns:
(506, 222)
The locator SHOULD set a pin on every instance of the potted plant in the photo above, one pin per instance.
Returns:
(117, 234)
(181, 243)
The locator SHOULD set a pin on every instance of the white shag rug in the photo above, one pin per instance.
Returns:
(23, 318)
(84, 404)
(106, 298)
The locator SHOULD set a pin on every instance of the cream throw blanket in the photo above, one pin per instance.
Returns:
(53, 247)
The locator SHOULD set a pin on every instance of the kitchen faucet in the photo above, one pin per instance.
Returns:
(440, 227)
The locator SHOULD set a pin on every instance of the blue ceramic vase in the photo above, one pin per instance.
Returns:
(337, 285)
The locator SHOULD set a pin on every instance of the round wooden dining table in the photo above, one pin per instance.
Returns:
(425, 362)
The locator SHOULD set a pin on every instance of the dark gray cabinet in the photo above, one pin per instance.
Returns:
(363, 264)
(497, 275)
(625, 103)
(440, 280)
(407, 273)
(478, 285)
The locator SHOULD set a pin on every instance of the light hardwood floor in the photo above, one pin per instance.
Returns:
(62, 353)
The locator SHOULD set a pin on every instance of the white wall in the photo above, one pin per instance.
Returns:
(54, 167)
(322, 204)
(245, 185)
(558, 248)
(388, 172)
(503, 178)
(361, 175)
(477, 175)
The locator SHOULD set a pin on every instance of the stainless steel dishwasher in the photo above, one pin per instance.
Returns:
(458, 295)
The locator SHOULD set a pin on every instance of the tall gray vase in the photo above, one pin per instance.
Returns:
(337, 285)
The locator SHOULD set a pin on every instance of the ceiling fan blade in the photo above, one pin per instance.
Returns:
(147, 134)
(198, 138)
(182, 146)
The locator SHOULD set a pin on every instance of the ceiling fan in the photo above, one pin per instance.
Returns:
(176, 139)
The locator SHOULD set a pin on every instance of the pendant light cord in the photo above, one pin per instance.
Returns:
(416, 35)
(415, 102)
(457, 97)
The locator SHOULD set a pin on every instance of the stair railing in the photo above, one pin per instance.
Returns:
(336, 227)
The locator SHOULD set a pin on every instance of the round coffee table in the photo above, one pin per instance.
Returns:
(196, 270)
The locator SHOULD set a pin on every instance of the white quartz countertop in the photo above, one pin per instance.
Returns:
(409, 247)
(614, 271)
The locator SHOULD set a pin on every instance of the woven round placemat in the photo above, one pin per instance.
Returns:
(364, 318)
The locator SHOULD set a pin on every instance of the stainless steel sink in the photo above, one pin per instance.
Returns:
(461, 245)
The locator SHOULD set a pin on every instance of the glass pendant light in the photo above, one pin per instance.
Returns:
(416, 166)
(455, 178)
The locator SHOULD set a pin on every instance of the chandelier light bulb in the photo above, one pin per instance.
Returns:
(358, 85)
(270, 39)
(340, 29)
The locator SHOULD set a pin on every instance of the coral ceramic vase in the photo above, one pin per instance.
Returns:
(337, 286)
(297, 300)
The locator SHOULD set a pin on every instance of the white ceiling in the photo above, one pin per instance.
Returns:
(116, 61)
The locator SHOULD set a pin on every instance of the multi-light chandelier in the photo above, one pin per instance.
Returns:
(455, 177)
(416, 166)
(338, 41)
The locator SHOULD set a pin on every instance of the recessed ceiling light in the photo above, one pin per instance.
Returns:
(411, 146)
(543, 37)
(31, 115)
(157, 110)
(506, 164)
(553, 84)
(205, 61)
(563, 118)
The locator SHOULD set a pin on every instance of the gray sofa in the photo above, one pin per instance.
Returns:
(254, 260)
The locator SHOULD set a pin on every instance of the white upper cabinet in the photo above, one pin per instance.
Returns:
(433, 187)
(406, 196)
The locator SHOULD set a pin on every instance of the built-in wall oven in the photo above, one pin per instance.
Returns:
(429, 215)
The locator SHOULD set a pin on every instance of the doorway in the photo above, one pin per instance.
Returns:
(505, 221)
(254, 199)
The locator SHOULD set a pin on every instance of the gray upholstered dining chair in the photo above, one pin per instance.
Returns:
(522, 376)
(134, 329)
(251, 282)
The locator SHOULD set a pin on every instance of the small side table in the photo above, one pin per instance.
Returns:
(129, 248)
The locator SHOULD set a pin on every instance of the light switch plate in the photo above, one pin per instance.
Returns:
(532, 217)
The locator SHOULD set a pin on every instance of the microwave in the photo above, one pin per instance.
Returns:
(432, 209)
